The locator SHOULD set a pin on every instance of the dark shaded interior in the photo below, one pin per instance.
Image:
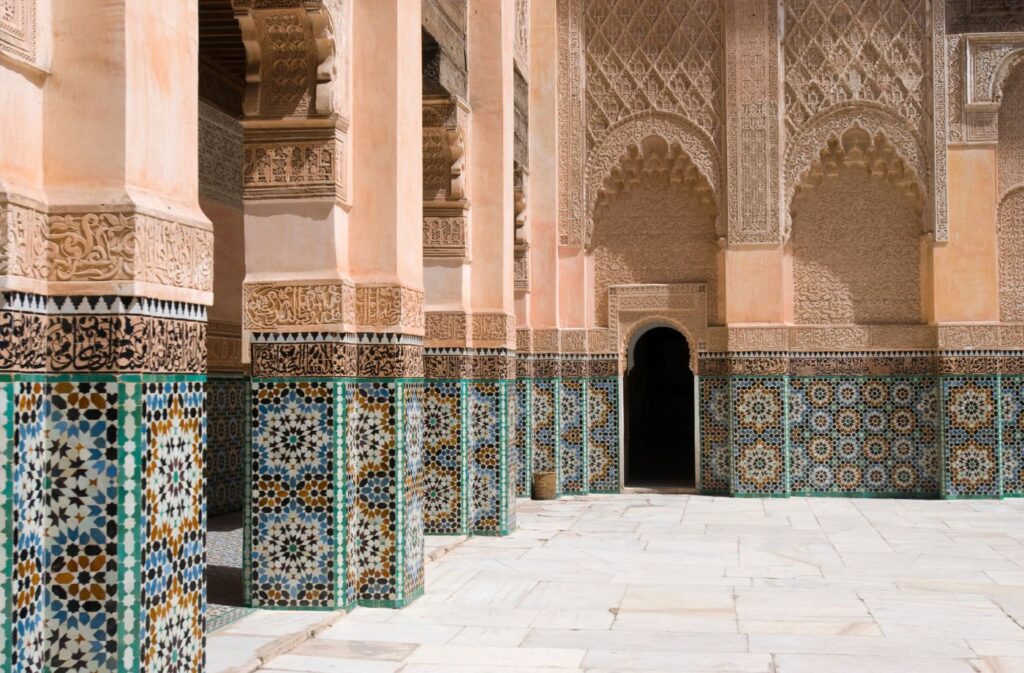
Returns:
(660, 412)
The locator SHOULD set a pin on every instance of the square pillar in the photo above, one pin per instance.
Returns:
(602, 425)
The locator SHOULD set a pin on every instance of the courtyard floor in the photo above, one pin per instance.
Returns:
(671, 583)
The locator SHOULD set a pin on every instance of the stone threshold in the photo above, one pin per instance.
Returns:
(246, 645)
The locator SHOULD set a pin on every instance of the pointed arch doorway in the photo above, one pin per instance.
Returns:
(659, 400)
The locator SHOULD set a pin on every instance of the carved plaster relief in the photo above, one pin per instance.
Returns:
(989, 60)
(654, 233)
(18, 28)
(856, 257)
(684, 306)
(296, 163)
(271, 306)
(290, 51)
(386, 308)
(105, 247)
(754, 129)
(625, 66)
(860, 63)
(1011, 256)
(220, 156)
(521, 45)
(445, 205)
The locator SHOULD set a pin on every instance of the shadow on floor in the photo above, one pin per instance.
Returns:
(224, 560)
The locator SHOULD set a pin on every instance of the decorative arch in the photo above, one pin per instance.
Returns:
(638, 329)
(622, 150)
(989, 59)
(1010, 241)
(896, 145)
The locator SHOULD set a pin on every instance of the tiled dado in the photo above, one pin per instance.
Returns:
(227, 411)
(469, 422)
(572, 421)
(879, 424)
(104, 522)
(102, 514)
(335, 514)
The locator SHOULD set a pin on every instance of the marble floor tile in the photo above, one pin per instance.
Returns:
(690, 584)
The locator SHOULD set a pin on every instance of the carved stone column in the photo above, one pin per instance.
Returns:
(106, 276)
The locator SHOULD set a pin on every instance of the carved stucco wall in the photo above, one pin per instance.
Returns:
(18, 28)
(849, 63)
(856, 260)
(1011, 206)
(634, 66)
(654, 233)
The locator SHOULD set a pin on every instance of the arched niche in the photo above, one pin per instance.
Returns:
(660, 142)
(1010, 237)
(805, 152)
(654, 220)
(856, 233)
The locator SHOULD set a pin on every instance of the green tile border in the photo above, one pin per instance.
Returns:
(7, 396)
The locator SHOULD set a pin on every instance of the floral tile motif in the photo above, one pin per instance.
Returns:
(971, 436)
(444, 470)
(173, 591)
(488, 456)
(27, 531)
(759, 442)
(412, 542)
(868, 436)
(603, 434)
(521, 446)
(292, 560)
(545, 425)
(1013, 435)
(574, 476)
(715, 456)
(84, 463)
(228, 431)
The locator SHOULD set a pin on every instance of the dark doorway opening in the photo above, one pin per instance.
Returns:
(660, 412)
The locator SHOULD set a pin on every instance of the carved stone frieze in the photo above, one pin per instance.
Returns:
(273, 306)
(446, 233)
(18, 29)
(388, 308)
(100, 334)
(492, 330)
(524, 341)
(573, 341)
(105, 247)
(296, 163)
(545, 341)
(220, 156)
(446, 329)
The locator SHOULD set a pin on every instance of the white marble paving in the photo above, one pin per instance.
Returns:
(690, 584)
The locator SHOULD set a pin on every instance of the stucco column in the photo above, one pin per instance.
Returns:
(107, 276)
(333, 305)
(491, 322)
(384, 420)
